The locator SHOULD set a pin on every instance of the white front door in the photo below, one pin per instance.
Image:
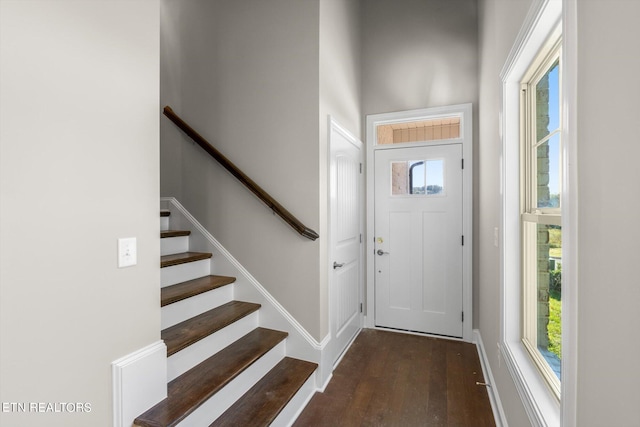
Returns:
(418, 239)
(345, 251)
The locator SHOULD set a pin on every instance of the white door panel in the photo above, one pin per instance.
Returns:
(418, 232)
(345, 251)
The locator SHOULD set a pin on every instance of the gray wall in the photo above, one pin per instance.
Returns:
(608, 294)
(499, 24)
(246, 76)
(79, 155)
(340, 95)
(608, 206)
(420, 54)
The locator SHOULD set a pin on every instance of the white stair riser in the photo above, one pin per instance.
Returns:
(185, 359)
(183, 272)
(221, 401)
(174, 245)
(297, 403)
(164, 223)
(191, 307)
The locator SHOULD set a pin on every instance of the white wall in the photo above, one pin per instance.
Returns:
(420, 54)
(340, 97)
(248, 79)
(608, 206)
(78, 170)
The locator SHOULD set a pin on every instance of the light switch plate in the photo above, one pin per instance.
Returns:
(127, 252)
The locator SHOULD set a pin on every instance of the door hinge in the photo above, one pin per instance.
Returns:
(360, 167)
(360, 237)
(463, 316)
(462, 240)
(360, 307)
(462, 163)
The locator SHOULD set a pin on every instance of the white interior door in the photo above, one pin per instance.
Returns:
(345, 252)
(418, 239)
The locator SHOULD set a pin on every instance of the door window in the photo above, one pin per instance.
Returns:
(417, 177)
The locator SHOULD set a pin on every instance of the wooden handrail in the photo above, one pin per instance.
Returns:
(276, 207)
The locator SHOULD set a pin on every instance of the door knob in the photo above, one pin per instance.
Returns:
(381, 252)
(336, 265)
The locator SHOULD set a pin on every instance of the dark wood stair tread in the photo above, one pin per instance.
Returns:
(182, 258)
(182, 335)
(165, 213)
(264, 401)
(184, 290)
(194, 387)
(174, 233)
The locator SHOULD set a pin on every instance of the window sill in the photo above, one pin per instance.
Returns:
(539, 401)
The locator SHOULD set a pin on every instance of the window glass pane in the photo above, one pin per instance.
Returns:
(549, 291)
(417, 177)
(548, 173)
(419, 131)
(548, 102)
(399, 178)
(435, 176)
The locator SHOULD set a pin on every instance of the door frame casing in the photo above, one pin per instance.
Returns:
(465, 112)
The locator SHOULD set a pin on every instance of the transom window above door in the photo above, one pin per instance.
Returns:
(419, 131)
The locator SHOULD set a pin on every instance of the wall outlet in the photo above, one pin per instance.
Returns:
(127, 252)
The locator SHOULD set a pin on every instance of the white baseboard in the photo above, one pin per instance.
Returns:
(494, 397)
(139, 382)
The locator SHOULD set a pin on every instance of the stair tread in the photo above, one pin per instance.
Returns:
(165, 213)
(266, 399)
(184, 290)
(174, 233)
(182, 258)
(182, 335)
(191, 389)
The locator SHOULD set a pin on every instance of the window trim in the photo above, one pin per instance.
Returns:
(542, 408)
(532, 215)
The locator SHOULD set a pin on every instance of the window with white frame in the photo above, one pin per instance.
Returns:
(532, 218)
(541, 215)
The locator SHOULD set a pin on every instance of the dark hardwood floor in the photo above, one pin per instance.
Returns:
(394, 379)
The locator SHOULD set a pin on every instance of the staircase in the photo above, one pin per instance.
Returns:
(223, 368)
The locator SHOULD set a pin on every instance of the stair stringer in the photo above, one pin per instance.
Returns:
(300, 344)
